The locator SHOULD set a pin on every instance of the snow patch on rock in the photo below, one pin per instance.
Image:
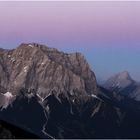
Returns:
(8, 95)
(6, 99)
(25, 69)
(30, 45)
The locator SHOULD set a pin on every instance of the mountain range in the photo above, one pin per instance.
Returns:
(52, 94)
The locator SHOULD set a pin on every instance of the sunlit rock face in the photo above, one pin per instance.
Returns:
(43, 69)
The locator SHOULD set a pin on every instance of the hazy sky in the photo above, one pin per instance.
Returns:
(107, 33)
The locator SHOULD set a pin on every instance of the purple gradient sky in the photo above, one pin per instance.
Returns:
(107, 33)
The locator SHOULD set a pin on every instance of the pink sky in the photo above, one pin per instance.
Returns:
(75, 20)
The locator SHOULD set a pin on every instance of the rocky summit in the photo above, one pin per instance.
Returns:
(122, 83)
(43, 69)
(119, 81)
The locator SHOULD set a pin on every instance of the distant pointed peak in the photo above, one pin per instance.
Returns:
(120, 80)
(125, 72)
(124, 75)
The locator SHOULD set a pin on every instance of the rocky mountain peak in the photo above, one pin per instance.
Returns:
(124, 75)
(38, 67)
(120, 81)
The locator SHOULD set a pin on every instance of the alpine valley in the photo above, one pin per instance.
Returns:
(45, 93)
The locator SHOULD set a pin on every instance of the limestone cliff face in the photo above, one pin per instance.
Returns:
(43, 69)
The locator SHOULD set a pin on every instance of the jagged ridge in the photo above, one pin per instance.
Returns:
(38, 67)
